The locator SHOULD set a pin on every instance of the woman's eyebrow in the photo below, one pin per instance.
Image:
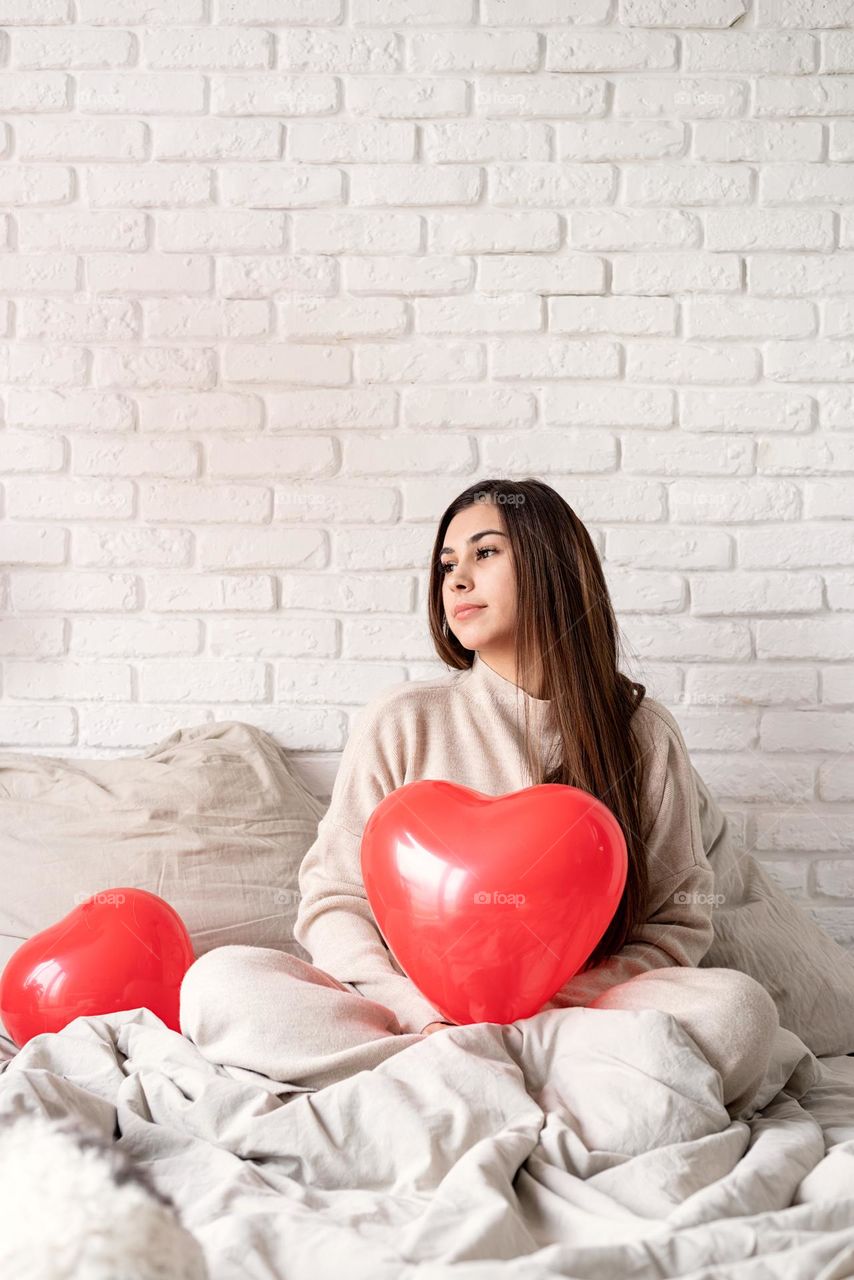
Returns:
(474, 537)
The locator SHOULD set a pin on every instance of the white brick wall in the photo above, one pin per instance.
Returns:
(278, 278)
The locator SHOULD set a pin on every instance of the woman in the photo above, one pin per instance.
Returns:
(519, 607)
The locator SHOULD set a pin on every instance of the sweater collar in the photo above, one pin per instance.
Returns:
(483, 678)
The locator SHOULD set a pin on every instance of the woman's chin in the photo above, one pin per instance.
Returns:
(474, 636)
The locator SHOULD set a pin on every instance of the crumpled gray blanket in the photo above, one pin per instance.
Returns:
(577, 1143)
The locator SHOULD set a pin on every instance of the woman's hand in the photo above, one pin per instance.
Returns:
(435, 1026)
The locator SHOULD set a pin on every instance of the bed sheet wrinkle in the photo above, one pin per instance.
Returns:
(577, 1144)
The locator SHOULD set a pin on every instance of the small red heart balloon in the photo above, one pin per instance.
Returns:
(120, 949)
(491, 903)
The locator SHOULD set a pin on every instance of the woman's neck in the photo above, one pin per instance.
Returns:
(502, 678)
(503, 663)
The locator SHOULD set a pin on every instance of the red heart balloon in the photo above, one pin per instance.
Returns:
(491, 903)
(120, 949)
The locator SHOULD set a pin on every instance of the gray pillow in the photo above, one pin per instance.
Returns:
(212, 818)
(762, 931)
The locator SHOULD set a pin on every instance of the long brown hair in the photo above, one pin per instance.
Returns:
(567, 633)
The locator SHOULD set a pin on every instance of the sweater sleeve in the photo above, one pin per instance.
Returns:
(334, 920)
(678, 929)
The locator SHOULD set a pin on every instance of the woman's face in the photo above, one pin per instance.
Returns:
(480, 572)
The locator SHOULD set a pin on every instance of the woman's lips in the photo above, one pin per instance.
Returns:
(472, 608)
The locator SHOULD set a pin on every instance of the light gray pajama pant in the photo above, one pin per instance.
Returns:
(266, 1011)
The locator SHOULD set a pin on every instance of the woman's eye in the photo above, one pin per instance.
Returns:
(449, 564)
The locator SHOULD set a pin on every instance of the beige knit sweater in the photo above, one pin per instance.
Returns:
(468, 727)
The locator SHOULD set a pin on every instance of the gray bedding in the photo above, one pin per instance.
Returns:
(576, 1143)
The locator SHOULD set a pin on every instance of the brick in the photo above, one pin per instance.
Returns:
(71, 681)
(432, 13)
(630, 316)
(212, 411)
(61, 591)
(36, 545)
(512, 313)
(36, 726)
(250, 276)
(317, 51)
(471, 407)
(401, 274)
(746, 409)
(202, 679)
(342, 318)
(204, 503)
(768, 230)
(670, 547)
(678, 453)
(146, 93)
(211, 593)
(217, 139)
(81, 139)
(346, 231)
(216, 47)
(576, 404)
(483, 50)
(417, 184)
(261, 186)
(412, 98)
(540, 95)
(749, 318)
(205, 318)
(86, 410)
(268, 458)
(681, 13)
(131, 546)
(34, 91)
(816, 361)
(694, 272)
(480, 141)
(416, 362)
(154, 367)
(135, 637)
(325, 407)
(677, 361)
(685, 184)
(74, 48)
(762, 52)
(34, 184)
(697, 98)
(802, 546)
(22, 451)
(610, 51)
(734, 501)
(82, 231)
(58, 320)
(32, 637)
(128, 456)
(753, 593)
(808, 639)
(555, 358)
(63, 498)
(758, 141)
